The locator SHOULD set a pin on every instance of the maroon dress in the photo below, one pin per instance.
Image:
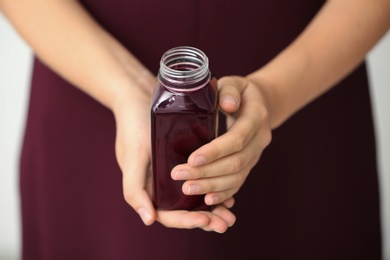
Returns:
(313, 194)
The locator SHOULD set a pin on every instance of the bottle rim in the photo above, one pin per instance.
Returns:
(191, 57)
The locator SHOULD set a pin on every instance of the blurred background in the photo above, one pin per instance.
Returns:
(15, 69)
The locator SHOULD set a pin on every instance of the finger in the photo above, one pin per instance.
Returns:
(234, 140)
(218, 220)
(183, 219)
(221, 219)
(222, 187)
(229, 203)
(217, 184)
(219, 196)
(225, 214)
(217, 189)
(251, 116)
(230, 89)
(134, 187)
(224, 166)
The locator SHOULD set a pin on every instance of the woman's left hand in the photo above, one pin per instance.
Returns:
(219, 168)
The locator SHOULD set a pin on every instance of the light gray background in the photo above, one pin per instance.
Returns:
(15, 69)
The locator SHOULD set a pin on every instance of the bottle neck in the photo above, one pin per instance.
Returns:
(184, 69)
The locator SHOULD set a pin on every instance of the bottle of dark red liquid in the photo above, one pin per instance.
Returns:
(184, 117)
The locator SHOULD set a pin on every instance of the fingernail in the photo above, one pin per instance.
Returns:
(182, 175)
(214, 200)
(193, 189)
(229, 100)
(198, 160)
(145, 216)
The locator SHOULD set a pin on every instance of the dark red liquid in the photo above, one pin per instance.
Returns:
(181, 123)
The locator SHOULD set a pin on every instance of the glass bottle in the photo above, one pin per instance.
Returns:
(184, 117)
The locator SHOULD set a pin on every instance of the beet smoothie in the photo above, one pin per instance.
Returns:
(184, 117)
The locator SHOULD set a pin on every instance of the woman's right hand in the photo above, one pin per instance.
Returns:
(133, 151)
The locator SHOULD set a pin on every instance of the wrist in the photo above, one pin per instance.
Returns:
(130, 96)
(270, 95)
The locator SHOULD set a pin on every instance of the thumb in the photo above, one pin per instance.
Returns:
(136, 175)
(230, 89)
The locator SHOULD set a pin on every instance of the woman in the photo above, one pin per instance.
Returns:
(312, 195)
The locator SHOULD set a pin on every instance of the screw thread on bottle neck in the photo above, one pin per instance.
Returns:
(184, 69)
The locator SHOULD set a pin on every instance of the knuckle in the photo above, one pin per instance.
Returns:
(240, 179)
(238, 142)
(129, 197)
(236, 164)
(212, 187)
(268, 138)
(201, 173)
(215, 152)
(254, 160)
(264, 114)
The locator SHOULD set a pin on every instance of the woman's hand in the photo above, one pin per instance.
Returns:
(133, 149)
(219, 168)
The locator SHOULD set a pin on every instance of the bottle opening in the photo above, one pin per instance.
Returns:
(184, 68)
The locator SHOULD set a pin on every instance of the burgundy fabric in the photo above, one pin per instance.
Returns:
(313, 194)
